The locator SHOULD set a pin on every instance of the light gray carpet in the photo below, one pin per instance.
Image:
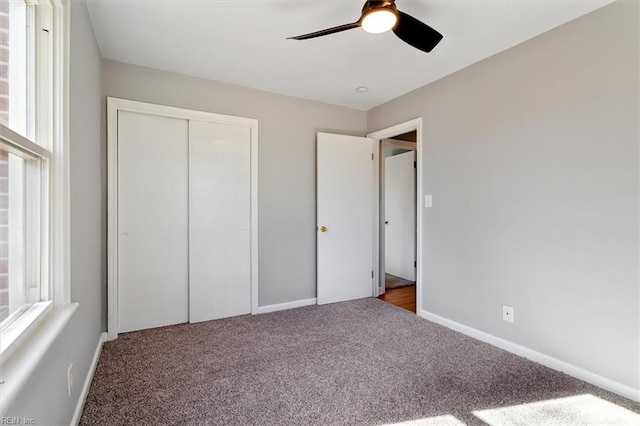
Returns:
(363, 362)
(391, 281)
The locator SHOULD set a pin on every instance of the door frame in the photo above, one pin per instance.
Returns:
(113, 106)
(388, 133)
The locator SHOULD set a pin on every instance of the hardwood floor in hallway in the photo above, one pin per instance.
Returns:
(404, 297)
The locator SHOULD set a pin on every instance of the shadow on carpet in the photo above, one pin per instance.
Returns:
(363, 362)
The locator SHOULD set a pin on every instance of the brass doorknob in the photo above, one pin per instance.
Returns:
(323, 229)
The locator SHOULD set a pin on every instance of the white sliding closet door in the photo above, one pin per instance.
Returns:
(219, 221)
(152, 221)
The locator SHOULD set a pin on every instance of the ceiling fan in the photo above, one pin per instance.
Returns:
(379, 16)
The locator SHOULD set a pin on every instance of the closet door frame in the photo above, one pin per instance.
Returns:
(114, 105)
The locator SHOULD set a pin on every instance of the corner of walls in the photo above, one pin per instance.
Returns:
(104, 193)
(638, 104)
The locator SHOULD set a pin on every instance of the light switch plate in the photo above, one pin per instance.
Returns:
(428, 201)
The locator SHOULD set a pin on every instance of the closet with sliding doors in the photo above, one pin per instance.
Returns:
(182, 216)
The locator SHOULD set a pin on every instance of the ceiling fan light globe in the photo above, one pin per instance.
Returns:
(379, 20)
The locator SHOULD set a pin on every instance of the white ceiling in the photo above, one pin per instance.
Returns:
(244, 42)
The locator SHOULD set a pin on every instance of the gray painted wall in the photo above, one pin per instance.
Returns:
(532, 160)
(287, 144)
(45, 398)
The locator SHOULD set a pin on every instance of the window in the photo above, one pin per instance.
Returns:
(16, 55)
(21, 212)
(31, 147)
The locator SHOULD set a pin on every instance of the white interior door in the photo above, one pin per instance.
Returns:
(152, 218)
(219, 221)
(400, 215)
(345, 202)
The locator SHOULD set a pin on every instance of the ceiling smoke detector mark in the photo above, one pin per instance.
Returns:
(362, 89)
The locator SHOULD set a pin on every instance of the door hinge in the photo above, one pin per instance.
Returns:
(415, 264)
(372, 156)
(414, 164)
(371, 274)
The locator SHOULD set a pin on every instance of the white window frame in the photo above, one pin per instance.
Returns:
(12, 332)
(27, 339)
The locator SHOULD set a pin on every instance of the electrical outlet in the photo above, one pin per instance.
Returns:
(70, 379)
(507, 313)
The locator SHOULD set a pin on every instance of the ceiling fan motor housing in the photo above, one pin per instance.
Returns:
(376, 5)
(379, 16)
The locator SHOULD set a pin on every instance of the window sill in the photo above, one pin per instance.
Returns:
(22, 327)
(20, 358)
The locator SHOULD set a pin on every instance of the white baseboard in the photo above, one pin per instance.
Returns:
(288, 305)
(87, 381)
(546, 360)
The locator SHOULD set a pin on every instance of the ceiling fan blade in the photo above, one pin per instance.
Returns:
(416, 33)
(326, 32)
